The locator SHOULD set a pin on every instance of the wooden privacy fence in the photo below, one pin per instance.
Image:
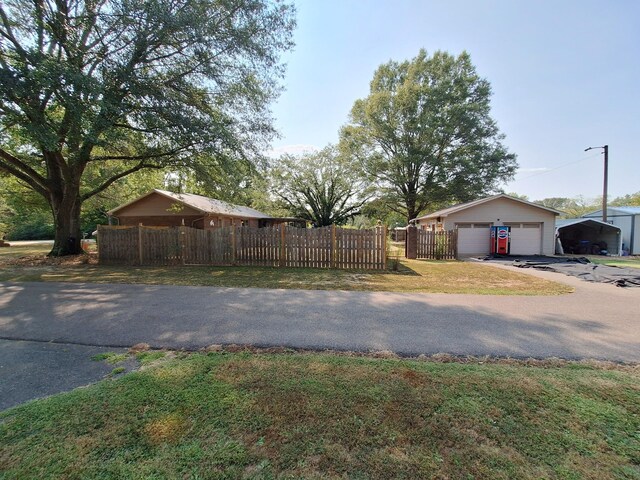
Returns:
(437, 245)
(282, 246)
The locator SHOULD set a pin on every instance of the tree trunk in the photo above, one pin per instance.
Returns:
(411, 211)
(66, 216)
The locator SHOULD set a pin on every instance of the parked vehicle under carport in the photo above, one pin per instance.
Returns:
(586, 236)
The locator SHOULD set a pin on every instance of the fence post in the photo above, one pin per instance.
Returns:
(183, 246)
(384, 247)
(233, 244)
(140, 243)
(333, 245)
(97, 244)
(455, 243)
(283, 248)
(411, 245)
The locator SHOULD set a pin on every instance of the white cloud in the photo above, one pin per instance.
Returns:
(296, 149)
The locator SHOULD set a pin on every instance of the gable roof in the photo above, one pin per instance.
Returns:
(628, 210)
(463, 206)
(201, 204)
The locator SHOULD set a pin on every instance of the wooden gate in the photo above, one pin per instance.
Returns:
(438, 245)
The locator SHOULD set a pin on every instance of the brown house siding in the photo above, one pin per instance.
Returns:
(161, 220)
(222, 221)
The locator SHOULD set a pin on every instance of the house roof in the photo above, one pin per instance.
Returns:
(566, 222)
(201, 204)
(463, 206)
(628, 210)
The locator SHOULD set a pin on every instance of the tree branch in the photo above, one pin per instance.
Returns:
(115, 178)
(11, 163)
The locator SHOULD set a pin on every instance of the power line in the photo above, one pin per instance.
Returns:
(560, 166)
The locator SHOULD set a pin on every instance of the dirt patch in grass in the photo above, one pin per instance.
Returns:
(266, 415)
(36, 256)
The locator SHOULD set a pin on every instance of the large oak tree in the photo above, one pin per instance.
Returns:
(111, 87)
(425, 135)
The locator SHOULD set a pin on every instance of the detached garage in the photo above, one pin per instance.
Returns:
(532, 225)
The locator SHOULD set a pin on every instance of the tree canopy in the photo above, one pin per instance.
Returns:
(116, 86)
(324, 187)
(425, 136)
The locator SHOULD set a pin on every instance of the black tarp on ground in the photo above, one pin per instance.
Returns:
(579, 267)
(585, 270)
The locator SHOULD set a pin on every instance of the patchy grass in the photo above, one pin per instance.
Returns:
(411, 276)
(148, 357)
(633, 261)
(111, 358)
(243, 415)
(117, 371)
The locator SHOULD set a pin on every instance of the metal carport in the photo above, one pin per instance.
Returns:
(586, 236)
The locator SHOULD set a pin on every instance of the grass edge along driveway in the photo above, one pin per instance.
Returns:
(21, 264)
(310, 415)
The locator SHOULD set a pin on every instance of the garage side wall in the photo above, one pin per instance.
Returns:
(504, 211)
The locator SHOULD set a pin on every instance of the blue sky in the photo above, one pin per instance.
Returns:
(565, 76)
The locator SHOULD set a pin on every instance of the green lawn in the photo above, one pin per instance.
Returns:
(21, 264)
(617, 261)
(297, 415)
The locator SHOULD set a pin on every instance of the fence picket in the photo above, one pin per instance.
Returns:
(285, 246)
(437, 245)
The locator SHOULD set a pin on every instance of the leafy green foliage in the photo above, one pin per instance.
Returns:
(324, 188)
(425, 136)
(626, 200)
(572, 207)
(112, 87)
(578, 206)
(27, 216)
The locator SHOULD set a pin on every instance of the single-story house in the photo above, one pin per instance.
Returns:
(532, 225)
(628, 219)
(168, 209)
(587, 236)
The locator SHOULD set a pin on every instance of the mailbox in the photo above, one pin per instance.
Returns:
(500, 240)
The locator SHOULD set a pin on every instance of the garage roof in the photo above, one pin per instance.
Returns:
(463, 206)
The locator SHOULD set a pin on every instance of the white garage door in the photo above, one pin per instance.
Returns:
(473, 239)
(525, 238)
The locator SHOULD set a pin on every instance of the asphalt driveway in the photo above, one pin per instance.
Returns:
(598, 321)
(31, 370)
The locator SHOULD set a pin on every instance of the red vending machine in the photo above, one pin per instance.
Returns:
(500, 240)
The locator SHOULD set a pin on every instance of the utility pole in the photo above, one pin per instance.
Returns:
(606, 179)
